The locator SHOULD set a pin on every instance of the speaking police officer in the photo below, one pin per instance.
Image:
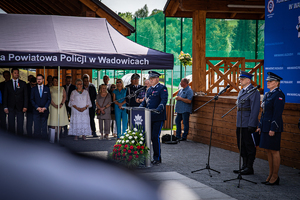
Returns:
(271, 126)
(156, 98)
(249, 111)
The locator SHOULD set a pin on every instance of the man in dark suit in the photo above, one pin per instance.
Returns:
(6, 76)
(15, 101)
(69, 87)
(40, 99)
(29, 113)
(93, 94)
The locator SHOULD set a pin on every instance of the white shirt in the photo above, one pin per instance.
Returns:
(13, 80)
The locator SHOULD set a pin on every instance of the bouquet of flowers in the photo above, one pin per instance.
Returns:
(130, 149)
(185, 59)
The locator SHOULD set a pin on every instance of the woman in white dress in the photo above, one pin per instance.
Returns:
(80, 119)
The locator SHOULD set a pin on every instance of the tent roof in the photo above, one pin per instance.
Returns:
(72, 42)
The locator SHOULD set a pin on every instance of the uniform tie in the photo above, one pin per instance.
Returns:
(41, 91)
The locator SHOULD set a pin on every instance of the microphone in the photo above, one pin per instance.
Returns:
(224, 90)
(257, 87)
(141, 89)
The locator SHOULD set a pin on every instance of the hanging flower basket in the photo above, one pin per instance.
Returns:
(185, 59)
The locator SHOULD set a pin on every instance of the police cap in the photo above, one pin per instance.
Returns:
(153, 74)
(244, 74)
(273, 77)
(135, 76)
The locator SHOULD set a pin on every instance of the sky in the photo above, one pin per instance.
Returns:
(131, 5)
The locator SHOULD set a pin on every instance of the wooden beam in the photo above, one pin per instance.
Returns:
(5, 7)
(13, 8)
(214, 15)
(37, 8)
(27, 7)
(172, 8)
(59, 10)
(45, 7)
(101, 13)
(199, 61)
(232, 15)
(221, 5)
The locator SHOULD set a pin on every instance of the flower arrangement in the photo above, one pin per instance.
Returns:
(185, 59)
(130, 149)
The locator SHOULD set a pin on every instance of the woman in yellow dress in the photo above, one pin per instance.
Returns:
(53, 117)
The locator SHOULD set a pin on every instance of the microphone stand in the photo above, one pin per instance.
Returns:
(212, 123)
(241, 102)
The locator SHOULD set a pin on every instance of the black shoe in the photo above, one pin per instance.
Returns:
(275, 183)
(264, 182)
(247, 171)
(182, 139)
(236, 171)
(155, 162)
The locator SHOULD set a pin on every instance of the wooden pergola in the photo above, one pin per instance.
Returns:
(199, 10)
(83, 8)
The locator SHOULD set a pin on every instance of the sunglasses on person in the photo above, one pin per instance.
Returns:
(119, 82)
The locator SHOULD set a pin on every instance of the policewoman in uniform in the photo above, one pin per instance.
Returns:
(249, 111)
(271, 126)
(156, 98)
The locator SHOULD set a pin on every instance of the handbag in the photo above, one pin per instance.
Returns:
(98, 110)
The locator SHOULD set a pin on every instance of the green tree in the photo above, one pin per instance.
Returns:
(243, 39)
(126, 16)
(142, 13)
(155, 11)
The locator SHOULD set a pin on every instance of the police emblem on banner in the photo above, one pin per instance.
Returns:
(138, 119)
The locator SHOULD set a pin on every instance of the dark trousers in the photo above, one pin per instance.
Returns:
(40, 125)
(2, 118)
(92, 119)
(11, 121)
(185, 118)
(29, 116)
(155, 133)
(248, 149)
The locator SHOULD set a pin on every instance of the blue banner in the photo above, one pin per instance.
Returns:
(282, 45)
(138, 118)
(92, 61)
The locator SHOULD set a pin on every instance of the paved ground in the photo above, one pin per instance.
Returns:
(180, 159)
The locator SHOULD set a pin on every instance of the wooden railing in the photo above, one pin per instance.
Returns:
(226, 70)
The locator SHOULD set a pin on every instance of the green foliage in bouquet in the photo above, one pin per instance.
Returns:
(185, 59)
(130, 149)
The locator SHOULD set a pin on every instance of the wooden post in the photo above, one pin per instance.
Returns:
(199, 62)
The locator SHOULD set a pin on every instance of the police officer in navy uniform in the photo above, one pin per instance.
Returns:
(131, 102)
(156, 98)
(271, 126)
(249, 111)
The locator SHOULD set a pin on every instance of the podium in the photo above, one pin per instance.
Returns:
(141, 116)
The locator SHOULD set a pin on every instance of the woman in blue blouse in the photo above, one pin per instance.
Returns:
(120, 113)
